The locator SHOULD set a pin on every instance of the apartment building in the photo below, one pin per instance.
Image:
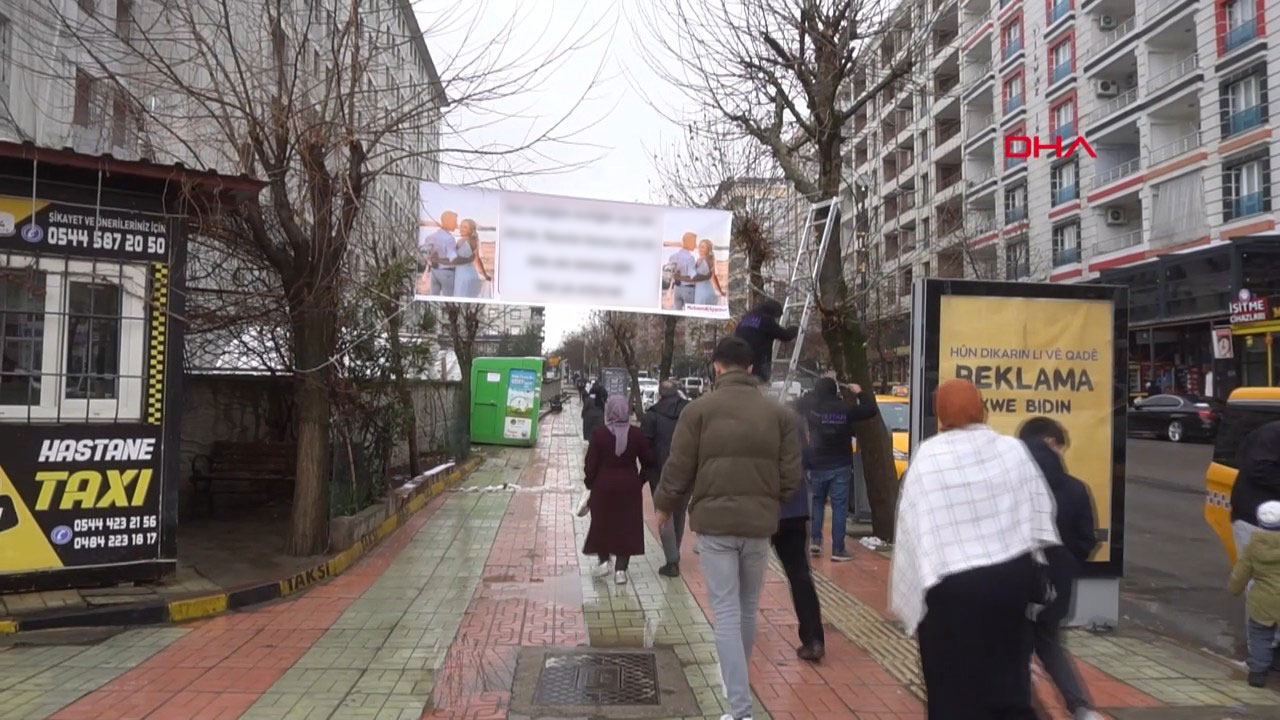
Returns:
(905, 203)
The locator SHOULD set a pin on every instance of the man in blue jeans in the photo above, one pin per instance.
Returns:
(830, 420)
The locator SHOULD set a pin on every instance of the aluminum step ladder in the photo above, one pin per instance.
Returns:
(821, 222)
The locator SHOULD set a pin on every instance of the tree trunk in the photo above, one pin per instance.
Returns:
(309, 527)
(755, 279)
(405, 393)
(668, 346)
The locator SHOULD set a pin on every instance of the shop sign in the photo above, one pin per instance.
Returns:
(1248, 308)
(29, 224)
(79, 496)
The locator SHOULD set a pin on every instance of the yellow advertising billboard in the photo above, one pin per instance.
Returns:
(1041, 356)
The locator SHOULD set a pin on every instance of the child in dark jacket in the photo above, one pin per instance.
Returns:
(1259, 562)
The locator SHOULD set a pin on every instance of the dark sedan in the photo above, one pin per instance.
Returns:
(1176, 417)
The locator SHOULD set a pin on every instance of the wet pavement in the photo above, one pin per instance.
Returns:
(435, 621)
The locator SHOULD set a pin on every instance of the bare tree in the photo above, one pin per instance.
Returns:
(781, 72)
(314, 99)
(623, 327)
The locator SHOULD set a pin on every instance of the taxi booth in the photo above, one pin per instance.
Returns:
(92, 251)
(1035, 349)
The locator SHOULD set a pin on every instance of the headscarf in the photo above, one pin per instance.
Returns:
(958, 404)
(617, 417)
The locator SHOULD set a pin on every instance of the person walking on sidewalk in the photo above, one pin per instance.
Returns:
(829, 420)
(789, 544)
(974, 515)
(1258, 569)
(1047, 440)
(593, 410)
(617, 503)
(659, 425)
(735, 458)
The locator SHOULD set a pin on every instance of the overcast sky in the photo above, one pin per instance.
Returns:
(622, 132)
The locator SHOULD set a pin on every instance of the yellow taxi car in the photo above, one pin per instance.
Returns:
(1247, 410)
(895, 410)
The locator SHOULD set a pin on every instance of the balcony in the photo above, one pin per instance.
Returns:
(976, 75)
(1012, 103)
(1184, 67)
(1113, 105)
(981, 175)
(1246, 205)
(1017, 270)
(1242, 33)
(1059, 11)
(1013, 162)
(1242, 120)
(983, 221)
(979, 124)
(1066, 194)
(1118, 243)
(1184, 144)
(1011, 49)
(1066, 256)
(1111, 37)
(1062, 71)
(1117, 172)
(1016, 213)
(948, 180)
(1065, 131)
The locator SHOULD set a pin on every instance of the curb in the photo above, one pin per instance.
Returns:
(417, 493)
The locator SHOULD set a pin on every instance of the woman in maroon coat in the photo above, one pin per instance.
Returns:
(617, 506)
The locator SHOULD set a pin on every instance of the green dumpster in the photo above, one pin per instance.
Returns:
(505, 400)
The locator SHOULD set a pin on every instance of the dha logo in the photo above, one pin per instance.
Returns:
(1021, 147)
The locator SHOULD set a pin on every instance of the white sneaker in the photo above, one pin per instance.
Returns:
(620, 577)
(1087, 714)
(601, 570)
(730, 717)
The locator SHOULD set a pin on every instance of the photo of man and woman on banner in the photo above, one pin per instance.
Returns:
(496, 246)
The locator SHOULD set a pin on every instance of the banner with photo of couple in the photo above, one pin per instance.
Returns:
(495, 246)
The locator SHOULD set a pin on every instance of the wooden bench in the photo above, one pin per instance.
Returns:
(245, 468)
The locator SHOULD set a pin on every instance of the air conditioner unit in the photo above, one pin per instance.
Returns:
(1116, 216)
(1107, 88)
(1106, 22)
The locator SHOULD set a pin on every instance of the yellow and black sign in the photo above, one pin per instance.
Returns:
(79, 496)
(30, 224)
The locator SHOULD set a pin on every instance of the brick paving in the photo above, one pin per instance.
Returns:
(429, 626)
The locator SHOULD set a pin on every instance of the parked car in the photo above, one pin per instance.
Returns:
(1247, 409)
(1176, 417)
(895, 410)
(692, 387)
(793, 392)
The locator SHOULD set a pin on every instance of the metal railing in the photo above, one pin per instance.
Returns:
(982, 175)
(1111, 37)
(1063, 70)
(1014, 214)
(1012, 49)
(1013, 103)
(979, 124)
(1065, 131)
(1245, 119)
(1176, 148)
(1122, 170)
(1066, 256)
(983, 221)
(1066, 194)
(972, 78)
(1241, 34)
(1113, 105)
(1245, 205)
(1118, 243)
(1059, 11)
(1181, 69)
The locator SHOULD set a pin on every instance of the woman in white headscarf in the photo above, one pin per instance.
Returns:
(974, 516)
(615, 482)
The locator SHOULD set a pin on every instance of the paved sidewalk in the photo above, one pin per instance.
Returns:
(432, 624)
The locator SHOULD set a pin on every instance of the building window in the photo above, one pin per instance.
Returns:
(1066, 244)
(1012, 89)
(1011, 38)
(1015, 204)
(124, 18)
(87, 6)
(1017, 259)
(120, 120)
(1063, 119)
(1058, 9)
(86, 85)
(1244, 104)
(904, 282)
(22, 308)
(1242, 22)
(1064, 179)
(6, 50)
(1246, 186)
(1061, 62)
(93, 340)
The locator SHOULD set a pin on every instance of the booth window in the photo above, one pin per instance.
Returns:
(74, 339)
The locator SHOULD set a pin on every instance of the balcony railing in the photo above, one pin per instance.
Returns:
(1063, 70)
(1117, 172)
(1118, 243)
(1065, 131)
(1113, 105)
(1017, 270)
(1111, 37)
(1014, 214)
(1011, 162)
(973, 76)
(1012, 49)
(1245, 119)
(1066, 256)
(1059, 10)
(1176, 148)
(1246, 205)
(947, 181)
(978, 124)
(1012, 103)
(1184, 67)
(1242, 33)
(1066, 194)
(981, 175)
(983, 221)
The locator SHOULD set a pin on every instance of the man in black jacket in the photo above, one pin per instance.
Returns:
(760, 328)
(829, 420)
(1047, 440)
(659, 425)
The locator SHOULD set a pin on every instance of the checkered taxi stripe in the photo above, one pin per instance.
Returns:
(1217, 499)
(156, 348)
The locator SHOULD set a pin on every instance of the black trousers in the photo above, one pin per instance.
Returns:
(620, 562)
(791, 543)
(976, 641)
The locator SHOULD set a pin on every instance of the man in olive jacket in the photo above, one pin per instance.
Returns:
(735, 458)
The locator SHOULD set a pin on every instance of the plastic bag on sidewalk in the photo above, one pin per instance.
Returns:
(584, 505)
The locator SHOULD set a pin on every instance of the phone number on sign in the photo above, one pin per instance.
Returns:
(93, 542)
(133, 522)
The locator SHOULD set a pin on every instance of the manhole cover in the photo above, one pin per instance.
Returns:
(598, 679)
(602, 683)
